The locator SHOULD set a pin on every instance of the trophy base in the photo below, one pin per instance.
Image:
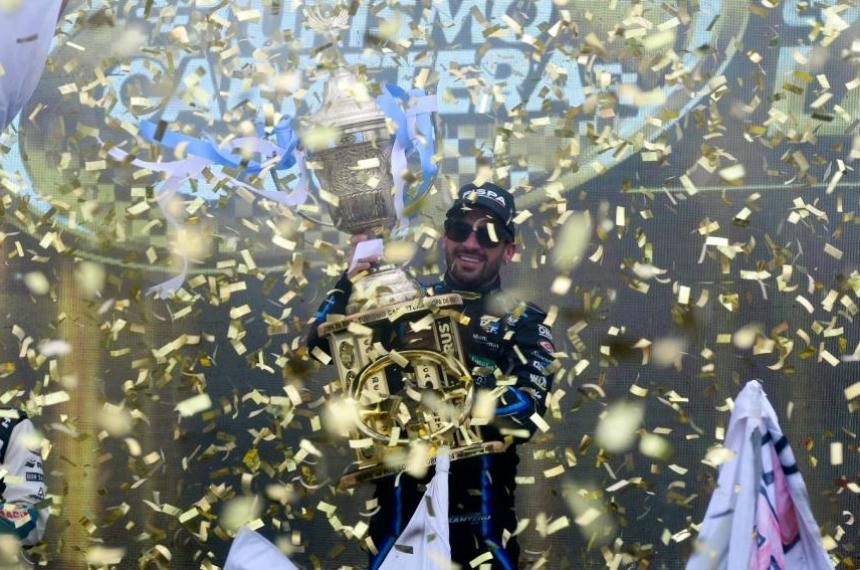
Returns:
(366, 471)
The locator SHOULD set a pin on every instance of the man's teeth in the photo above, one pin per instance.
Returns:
(471, 258)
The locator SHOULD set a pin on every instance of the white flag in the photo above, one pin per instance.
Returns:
(425, 542)
(26, 32)
(759, 516)
(251, 551)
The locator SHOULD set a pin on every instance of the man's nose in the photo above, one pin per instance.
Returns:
(472, 241)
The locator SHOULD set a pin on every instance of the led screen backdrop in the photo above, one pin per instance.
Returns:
(706, 150)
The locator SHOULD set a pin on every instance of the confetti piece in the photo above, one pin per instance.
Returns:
(806, 304)
(53, 348)
(240, 511)
(320, 137)
(684, 295)
(617, 486)
(852, 391)
(321, 355)
(553, 472)
(359, 330)
(194, 405)
(572, 242)
(588, 517)
(37, 283)
(53, 398)
(399, 251)
(104, 556)
(836, 455)
(668, 351)
(733, 173)
(654, 446)
(561, 285)
(832, 251)
(557, 525)
(616, 431)
(538, 421)
(717, 456)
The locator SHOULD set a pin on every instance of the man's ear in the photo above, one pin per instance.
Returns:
(510, 250)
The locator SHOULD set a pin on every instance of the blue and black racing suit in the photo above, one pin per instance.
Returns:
(502, 334)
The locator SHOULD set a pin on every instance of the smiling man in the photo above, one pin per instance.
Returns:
(479, 237)
(507, 343)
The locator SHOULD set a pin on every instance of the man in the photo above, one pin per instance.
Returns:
(22, 487)
(504, 338)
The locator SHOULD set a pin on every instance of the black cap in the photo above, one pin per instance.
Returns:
(498, 201)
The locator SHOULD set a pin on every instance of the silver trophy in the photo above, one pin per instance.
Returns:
(357, 172)
(398, 352)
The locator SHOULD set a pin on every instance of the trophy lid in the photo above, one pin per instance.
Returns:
(347, 105)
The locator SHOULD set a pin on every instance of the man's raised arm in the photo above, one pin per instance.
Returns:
(338, 297)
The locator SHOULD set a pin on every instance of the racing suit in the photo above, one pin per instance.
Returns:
(501, 334)
(22, 487)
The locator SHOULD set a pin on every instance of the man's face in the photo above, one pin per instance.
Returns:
(472, 264)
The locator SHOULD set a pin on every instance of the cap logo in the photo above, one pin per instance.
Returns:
(492, 195)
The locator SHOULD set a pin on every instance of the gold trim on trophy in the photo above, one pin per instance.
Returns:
(444, 405)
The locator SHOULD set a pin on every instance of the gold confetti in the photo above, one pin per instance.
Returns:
(836, 456)
(588, 517)
(573, 240)
(319, 137)
(561, 285)
(617, 428)
(194, 405)
(852, 391)
(654, 446)
(399, 251)
(734, 173)
(37, 283)
(832, 251)
(53, 398)
(104, 556)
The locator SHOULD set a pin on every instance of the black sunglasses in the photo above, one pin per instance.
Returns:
(459, 231)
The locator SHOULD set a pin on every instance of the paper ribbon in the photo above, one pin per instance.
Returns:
(285, 135)
(202, 154)
(413, 123)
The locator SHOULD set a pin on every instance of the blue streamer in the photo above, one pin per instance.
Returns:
(285, 136)
(391, 102)
(411, 110)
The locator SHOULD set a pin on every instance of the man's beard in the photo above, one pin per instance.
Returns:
(482, 273)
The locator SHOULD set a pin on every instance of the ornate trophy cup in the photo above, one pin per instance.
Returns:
(397, 351)
(357, 172)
